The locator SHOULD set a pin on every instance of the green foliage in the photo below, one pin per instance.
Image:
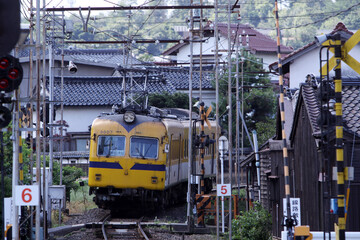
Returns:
(259, 99)
(265, 130)
(8, 163)
(167, 100)
(252, 225)
(305, 19)
(70, 175)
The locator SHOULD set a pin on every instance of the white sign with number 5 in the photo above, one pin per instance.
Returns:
(27, 195)
(223, 190)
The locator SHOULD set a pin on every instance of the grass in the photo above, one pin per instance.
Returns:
(80, 202)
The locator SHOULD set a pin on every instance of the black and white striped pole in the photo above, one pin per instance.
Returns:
(289, 222)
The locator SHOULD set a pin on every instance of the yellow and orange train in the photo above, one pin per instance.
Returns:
(144, 157)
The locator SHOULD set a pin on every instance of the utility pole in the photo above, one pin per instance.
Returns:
(237, 175)
(44, 127)
(30, 105)
(189, 194)
(51, 113)
(216, 60)
(229, 114)
(62, 107)
(200, 53)
(15, 170)
(38, 160)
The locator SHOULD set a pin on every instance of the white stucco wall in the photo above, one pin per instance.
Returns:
(80, 118)
(209, 47)
(310, 63)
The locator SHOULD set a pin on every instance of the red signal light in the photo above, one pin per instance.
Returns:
(13, 73)
(4, 63)
(4, 83)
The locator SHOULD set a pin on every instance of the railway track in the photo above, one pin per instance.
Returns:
(95, 224)
(124, 230)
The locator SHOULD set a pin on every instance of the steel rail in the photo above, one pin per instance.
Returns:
(140, 230)
(103, 226)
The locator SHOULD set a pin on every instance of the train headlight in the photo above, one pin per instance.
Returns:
(129, 117)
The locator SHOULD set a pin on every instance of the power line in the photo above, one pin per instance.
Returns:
(148, 17)
(133, 8)
(326, 18)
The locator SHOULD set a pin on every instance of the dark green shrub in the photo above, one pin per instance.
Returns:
(252, 225)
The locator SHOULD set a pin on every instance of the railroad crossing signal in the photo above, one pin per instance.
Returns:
(5, 116)
(206, 117)
(345, 56)
(11, 73)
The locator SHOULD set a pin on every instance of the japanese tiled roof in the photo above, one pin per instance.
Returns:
(105, 57)
(258, 42)
(72, 154)
(340, 28)
(350, 100)
(351, 103)
(289, 117)
(108, 56)
(105, 91)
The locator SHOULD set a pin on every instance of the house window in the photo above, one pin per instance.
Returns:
(81, 144)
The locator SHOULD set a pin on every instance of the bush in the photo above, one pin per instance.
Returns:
(252, 225)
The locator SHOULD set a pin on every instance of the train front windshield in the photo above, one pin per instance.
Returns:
(144, 147)
(111, 146)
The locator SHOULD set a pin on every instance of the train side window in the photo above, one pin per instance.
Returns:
(145, 148)
(111, 146)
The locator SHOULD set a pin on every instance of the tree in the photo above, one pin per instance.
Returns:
(70, 175)
(167, 100)
(259, 99)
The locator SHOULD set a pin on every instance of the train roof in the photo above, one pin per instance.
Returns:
(119, 118)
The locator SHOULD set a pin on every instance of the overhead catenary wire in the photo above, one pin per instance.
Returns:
(142, 24)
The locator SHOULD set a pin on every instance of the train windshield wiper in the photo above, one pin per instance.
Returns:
(147, 150)
(109, 151)
(140, 154)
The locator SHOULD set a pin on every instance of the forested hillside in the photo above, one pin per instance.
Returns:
(300, 21)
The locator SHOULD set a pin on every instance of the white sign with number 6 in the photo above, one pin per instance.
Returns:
(27, 195)
(223, 190)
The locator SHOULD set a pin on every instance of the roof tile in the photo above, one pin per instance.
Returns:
(104, 91)
(351, 105)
